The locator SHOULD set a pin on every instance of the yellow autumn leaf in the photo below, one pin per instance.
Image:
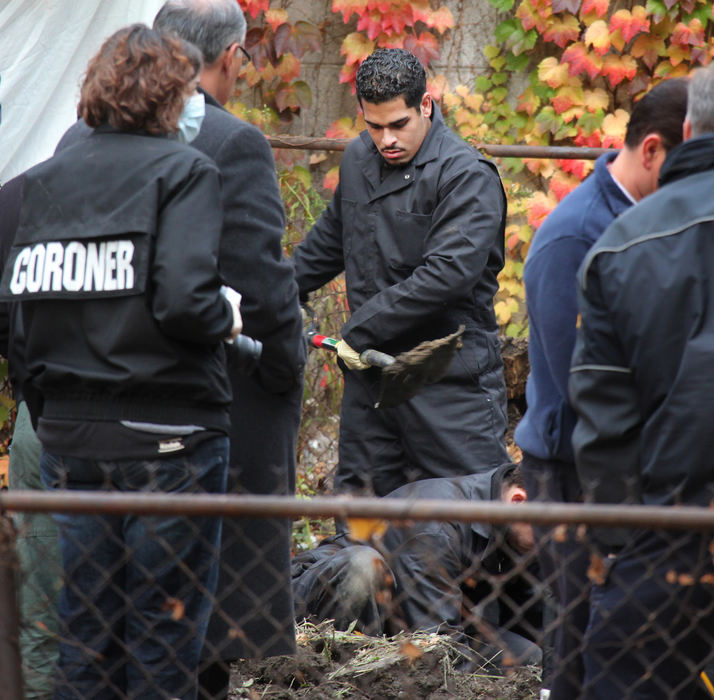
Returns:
(474, 102)
(615, 125)
(596, 99)
(364, 529)
(597, 35)
(553, 72)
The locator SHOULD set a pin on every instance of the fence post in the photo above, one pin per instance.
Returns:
(10, 661)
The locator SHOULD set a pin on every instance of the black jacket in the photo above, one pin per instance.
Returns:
(126, 320)
(450, 576)
(641, 379)
(421, 250)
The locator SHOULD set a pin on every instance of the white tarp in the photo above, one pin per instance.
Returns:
(45, 46)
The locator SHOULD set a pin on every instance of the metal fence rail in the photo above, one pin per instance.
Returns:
(311, 143)
(500, 600)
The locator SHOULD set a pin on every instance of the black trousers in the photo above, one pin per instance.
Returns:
(452, 428)
(651, 627)
(564, 565)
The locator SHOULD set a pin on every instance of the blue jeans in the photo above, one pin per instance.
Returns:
(138, 589)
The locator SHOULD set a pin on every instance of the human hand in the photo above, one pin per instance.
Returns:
(233, 299)
(349, 356)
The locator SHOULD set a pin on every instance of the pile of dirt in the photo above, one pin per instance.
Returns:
(351, 666)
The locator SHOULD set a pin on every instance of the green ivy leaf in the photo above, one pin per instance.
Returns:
(520, 121)
(657, 8)
(514, 165)
(502, 5)
(483, 84)
(703, 13)
(526, 43)
(491, 51)
(499, 94)
(499, 78)
(517, 64)
(590, 121)
(497, 63)
(506, 29)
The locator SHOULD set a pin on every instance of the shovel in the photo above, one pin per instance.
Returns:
(403, 376)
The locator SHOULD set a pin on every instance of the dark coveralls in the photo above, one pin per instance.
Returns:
(643, 388)
(455, 578)
(421, 248)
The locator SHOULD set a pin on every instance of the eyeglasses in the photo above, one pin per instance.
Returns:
(245, 53)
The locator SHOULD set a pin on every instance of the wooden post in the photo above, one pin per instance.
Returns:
(10, 660)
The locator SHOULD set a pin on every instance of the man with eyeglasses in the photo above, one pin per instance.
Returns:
(254, 608)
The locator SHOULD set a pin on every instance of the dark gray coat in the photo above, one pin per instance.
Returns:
(421, 250)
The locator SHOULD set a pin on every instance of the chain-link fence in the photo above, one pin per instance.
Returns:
(427, 598)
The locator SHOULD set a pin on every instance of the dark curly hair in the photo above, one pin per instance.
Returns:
(138, 81)
(391, 73)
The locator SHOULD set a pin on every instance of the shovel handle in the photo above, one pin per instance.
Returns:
(373, 358)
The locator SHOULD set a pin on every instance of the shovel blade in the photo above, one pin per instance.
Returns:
(427, 363)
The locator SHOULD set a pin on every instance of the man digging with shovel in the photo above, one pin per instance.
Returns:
(417, 226)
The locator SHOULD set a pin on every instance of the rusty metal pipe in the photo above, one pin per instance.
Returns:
(308, 143)
(665, 517)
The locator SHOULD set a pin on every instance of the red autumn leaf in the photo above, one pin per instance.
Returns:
(562, 32)
(348, 7)
(348, 74)
(597, 35)
(648, 47)
(630, 23)
(539, 207)
(441, 19)
(259, 43)
(692, 34)
(577, 168)
(420, 11)
(586, 140)
(566, 6)
(543, 7)
(619, 68)
(254, 7)
(566, 97)
(425, 46)
(595, 7)
(528, 102)
(562, 184)
(343, 128)
(393, 24)
(355, 47)
(298, 38)
(579, 60)
(275, 17)
(371, 22)
(530, 18)
(332, 179)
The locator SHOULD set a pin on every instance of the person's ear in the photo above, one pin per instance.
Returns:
(517, 495)
(426, 105)
(650, 150)
(687, 130)
(227, 58)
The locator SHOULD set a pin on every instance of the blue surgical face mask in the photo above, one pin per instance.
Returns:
(189, 123)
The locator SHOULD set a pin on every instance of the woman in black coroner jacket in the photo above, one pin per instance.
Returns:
(115, 266)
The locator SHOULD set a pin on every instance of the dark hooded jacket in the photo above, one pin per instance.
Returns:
(641, 380)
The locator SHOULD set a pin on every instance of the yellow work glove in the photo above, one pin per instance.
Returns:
(349, 356)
